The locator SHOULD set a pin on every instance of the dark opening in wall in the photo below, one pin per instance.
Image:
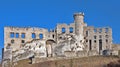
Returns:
(17, 35)
(94, 41)
(71, 30)
(23, 35)
(100, 44)
(12, 35)
(33, 35)
(63, 30)
(12, 41)
(23, 41)
(41, 36)
(53, 35)
(87, 32)
(106, 36)
(106, 40)
(95, 37)
(90, 45)
(100, 36)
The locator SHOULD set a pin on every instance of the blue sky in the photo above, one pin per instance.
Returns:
(47, 13)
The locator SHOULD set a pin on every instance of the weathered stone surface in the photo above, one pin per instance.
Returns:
(73, 40)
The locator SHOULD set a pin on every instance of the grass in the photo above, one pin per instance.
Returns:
(96, 61)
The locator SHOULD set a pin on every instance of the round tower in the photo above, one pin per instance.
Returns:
(79, 23)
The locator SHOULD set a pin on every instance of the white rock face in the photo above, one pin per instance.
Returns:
(69, 42)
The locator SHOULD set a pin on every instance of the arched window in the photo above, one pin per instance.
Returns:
(71, 30)
(63, 30)
(41, 36)
(33, 35)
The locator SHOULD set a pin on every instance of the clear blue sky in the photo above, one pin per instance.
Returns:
(47, 13)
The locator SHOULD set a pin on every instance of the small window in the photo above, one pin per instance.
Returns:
(23, 41)
(71, 30)
(100, 30)
(86, 40)
(23, 35)
(63, 30)
(11, 35)
(53, 35)
(106, 30)
(87, 32)
(95, 37)
(94, 41)
(12, 41)
(100, 36)
(106, 41)
(95, 30)
(41, 36)
(33, 35)
(106, 36)
(17, 35)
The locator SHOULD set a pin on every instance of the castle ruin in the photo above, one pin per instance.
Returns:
(73, 40)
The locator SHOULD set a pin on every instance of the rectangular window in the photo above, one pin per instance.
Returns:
(63, 30)
(23, 41)
(23, 35)
(90, 45)
(87, 32)
(95, 37)
(33, 35)
(17, 35)
(12, 35)
(100, 30)
(100, 36)
(41, 36)
(71, 30)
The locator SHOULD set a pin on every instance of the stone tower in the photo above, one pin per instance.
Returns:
(79, 24)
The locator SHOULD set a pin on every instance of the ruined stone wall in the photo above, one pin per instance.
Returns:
(18, 36)
(98, 38)
(64, 29)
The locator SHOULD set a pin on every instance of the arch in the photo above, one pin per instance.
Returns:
(50, 41)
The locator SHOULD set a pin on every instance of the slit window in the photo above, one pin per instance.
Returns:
(11, 35)
(63, 30)
(33, 35)
(17, 35)
(87, 32)
(41, 36)
(53, 35)
(106, 41)
(71, 30)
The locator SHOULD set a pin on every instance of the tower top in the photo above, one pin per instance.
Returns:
(79, 14)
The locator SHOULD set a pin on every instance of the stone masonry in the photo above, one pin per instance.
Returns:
(75, 39)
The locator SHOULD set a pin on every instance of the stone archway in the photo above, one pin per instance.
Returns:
(49, 47)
